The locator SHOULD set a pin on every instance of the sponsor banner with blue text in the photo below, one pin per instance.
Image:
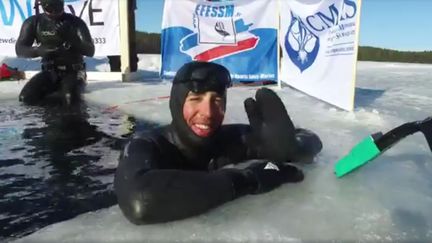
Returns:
(239, 34)
(319, 41)
(101, 16)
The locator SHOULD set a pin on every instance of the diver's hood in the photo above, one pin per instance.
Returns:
(198, 77)
(52, 6)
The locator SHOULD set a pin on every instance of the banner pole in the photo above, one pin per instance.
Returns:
(279, 48)
(124, 38)
(167, 5)
(356, 44)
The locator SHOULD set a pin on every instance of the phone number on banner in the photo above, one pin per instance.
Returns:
(99, 40)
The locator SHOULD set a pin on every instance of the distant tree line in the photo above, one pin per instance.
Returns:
(148, 42)
(367, 53)
(151, 43)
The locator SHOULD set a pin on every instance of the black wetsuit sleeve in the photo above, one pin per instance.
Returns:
(85, 44)
(148, 194)
(24, 45)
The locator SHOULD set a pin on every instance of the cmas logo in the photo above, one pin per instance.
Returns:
(301, 44)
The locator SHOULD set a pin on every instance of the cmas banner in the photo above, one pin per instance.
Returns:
(319, 41)
(101, 16)
(239, 34)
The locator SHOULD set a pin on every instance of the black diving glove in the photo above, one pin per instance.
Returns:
(45, 51)
(273, 133)
(50, 52)
(262, 177)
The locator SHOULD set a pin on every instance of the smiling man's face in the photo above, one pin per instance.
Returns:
(204, 112)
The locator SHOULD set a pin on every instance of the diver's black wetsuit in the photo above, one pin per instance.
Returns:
(160, 179)
(170, 173)
(62, 43)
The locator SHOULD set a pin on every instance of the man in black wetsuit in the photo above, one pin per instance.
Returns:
(177, 171)
(62, 40)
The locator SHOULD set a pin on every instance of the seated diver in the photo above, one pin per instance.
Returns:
(176, 171)
(63, 39)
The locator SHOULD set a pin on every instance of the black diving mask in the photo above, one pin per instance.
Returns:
(53, 8)
(204, 77)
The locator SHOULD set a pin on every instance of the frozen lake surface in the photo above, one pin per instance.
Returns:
(389, 199)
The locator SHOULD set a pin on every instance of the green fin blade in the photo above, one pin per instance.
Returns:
(362, 153)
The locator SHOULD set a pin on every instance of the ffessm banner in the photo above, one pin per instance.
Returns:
(239, 34)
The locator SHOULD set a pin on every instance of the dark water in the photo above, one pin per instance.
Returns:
(56, 164)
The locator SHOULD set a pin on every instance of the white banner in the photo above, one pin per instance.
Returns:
(319, 41)
(101, 16)
(239, 34)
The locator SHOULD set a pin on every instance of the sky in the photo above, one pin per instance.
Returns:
(395, 24)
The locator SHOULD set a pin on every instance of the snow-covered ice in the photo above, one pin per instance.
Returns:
(389, 199)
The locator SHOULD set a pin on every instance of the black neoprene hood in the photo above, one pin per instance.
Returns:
(198, 77)
(204, 76)
(52, 6)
